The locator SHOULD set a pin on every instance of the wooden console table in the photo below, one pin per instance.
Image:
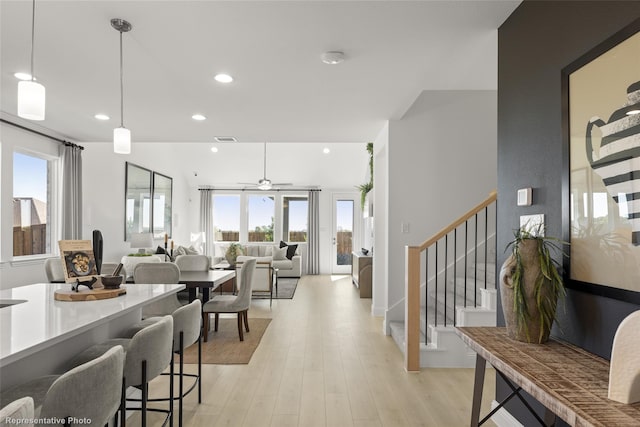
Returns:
(362, 272)
(569, 381)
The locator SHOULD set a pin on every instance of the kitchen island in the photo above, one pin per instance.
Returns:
(39, 335)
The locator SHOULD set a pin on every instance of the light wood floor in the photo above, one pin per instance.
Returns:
(324, 361)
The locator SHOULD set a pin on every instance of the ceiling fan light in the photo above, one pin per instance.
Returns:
(265, 184)
(121, 140)
(31, 100)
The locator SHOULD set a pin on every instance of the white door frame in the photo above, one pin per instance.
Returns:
(357, 226)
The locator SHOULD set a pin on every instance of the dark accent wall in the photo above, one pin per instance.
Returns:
(535, 43)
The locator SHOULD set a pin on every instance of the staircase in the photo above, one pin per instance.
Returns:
(451, 281)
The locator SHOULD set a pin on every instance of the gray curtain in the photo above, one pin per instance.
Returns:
(71, 156)
(313, 220)
(206, 220)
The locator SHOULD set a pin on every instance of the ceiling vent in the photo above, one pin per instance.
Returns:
(225, 139)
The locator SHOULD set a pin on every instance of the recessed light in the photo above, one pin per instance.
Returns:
(198, 117)
(102, 117)
(333, 57)
(214, 149)
(22, 76)
(633, 112)
(326, 150)
(223, 78)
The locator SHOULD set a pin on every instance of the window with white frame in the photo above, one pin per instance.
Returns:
(226, 217)
(260, 218)
(294, 218)
(32, 202)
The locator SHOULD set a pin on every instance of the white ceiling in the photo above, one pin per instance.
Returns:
(282, 92)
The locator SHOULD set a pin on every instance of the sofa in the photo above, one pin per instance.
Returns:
(268, 253)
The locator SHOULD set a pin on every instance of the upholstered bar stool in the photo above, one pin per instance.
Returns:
(18, 411)
(158, 273)
(54, 270)
(186, 331)
(88, 393)
(147, 355)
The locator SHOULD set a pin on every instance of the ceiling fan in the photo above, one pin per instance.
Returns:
(264, 183)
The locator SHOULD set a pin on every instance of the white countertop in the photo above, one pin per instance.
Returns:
(42, 321)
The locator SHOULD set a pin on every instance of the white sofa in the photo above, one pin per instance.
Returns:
(265, 253)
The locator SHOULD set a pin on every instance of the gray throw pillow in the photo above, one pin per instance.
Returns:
(279, 254)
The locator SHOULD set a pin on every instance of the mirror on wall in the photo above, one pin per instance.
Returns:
(162, 194)
(137, 200)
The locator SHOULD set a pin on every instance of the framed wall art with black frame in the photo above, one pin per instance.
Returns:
(601, 120)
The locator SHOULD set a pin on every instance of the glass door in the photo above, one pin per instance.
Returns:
(343, 233)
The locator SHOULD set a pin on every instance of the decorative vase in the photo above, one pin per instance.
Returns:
(232, 254)
(527, 328)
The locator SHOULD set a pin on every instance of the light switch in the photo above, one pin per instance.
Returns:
(404, 227)
(524, 197)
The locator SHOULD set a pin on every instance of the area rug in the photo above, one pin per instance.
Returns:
(224, 347)
(286, 289)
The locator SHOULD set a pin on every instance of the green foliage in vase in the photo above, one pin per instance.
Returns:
(367, 186)
(548, 279)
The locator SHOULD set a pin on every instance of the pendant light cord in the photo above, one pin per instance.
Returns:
(121, 86)
(33, 34)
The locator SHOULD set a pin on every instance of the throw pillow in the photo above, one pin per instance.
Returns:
(191, 250)
(291, 249)
(279, 254)
(160, 250)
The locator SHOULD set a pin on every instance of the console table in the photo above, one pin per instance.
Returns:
(361, 272)
(569, 381)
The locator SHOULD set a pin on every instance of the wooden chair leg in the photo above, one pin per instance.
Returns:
(240, 317)
(205, 326)
(216, 323)
(246, 320)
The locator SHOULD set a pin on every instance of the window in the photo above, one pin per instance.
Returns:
(226, 218)
(31, 205)
(261, 210)
(294, 218)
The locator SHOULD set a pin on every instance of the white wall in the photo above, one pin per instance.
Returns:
(442, 162)
(103, 188)
(380, 224)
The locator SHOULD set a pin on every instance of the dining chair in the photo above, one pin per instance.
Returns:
(238, 304)
(191, 263)
(91, 390)
(158, 273)
(54, 270)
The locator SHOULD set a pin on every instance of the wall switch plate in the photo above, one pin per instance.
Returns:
(524, 197)
(404, 227)
(534, 224)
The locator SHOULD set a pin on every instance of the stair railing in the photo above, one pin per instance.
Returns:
(446, 257)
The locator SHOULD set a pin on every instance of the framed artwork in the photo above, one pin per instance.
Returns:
(137, 208)
(162, 205)
(601, 100)
(78, 260)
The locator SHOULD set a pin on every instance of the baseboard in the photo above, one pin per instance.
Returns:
(503, 418)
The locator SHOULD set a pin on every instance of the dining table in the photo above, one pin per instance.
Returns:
(206, 281)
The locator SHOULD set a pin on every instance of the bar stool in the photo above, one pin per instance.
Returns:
(21, 409)
(186, 332)
(147, 355)
(90, 392)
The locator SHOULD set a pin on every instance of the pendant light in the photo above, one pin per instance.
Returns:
(121, 135)
(31, 95)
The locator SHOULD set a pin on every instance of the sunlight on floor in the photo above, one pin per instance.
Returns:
(336, 277)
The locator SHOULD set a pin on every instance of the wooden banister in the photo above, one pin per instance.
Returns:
(449, 228)
(412, 284)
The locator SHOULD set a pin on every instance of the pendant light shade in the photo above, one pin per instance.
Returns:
(122, 141)
(31, 100)
(31, 95)
(121, 135)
